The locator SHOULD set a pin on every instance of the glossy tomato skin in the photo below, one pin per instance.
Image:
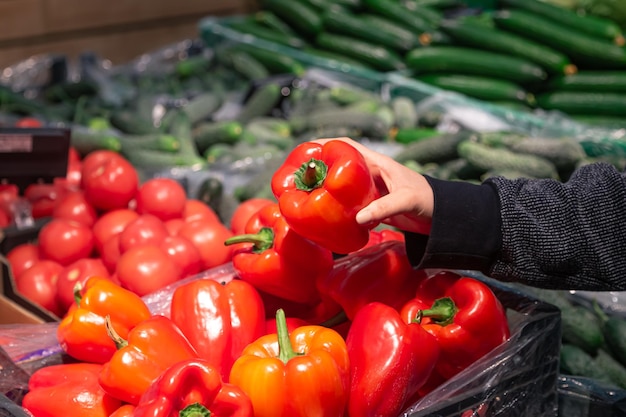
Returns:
(110, 253)
(146, 229)
(209, 236)
(77, 273)
(111, 184)
(162, 197)
(145, 269)
(22, 257)
(75, 207)
(173, 226)
(39, 285)
(198, 210)
(244, 211)
(111, 223)
(65, 241)
(184, 253)
(98, 157)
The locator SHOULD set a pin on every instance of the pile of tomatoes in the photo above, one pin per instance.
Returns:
(104, 222)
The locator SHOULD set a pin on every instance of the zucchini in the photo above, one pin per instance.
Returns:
(591, 81)
(251, 27)
(376, 56)
(501, 41)
(433, 149)
(399, 13)
(260, 103)
(483, 88)
(584, 51)
(592, 25)
(304, 19)
(488, 158)
(470, 61)
(584, 103)
(345, 23)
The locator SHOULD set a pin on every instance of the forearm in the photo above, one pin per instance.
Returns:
(544, 233)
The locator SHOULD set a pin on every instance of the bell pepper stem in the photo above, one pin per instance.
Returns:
(310, 175)
(335, 320)
(442, 312)
(77, 295)
(195, 410)
(117, 339)
(262, 240)
(285, 348)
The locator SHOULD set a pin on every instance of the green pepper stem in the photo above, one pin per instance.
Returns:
(77, 295)
(262, 240)
(442, 312)
(285, 348)
(119, 341)
(195, 410)
(310, 175)
(335, 320)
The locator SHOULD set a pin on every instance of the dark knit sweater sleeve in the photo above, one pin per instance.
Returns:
(569, 235)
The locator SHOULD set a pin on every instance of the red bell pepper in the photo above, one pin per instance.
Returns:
(389, 361)
(191, 388)
(320, 189)
(70, 389)
(280, 261)
(379, 236)
(218, 319)
(153, 346)
(82, 332)
(380, 273)
(305, 373)
(463, 314)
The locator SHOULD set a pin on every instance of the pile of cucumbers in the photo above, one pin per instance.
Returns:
(526, 54)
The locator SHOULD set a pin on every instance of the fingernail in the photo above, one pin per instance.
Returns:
(363, 217)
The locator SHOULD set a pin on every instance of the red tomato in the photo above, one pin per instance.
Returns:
(65, 241)
(110, 253)
(110, 184)
(244, 211)
(73, 155)
(208, 237)
(73, 175)
(5, 218)
(145, 269)
(173, 226)
(94, 159)
(144, 230)
(198, 210)
(39, 284)
(184, 253)
(162, 197)
(22, 257)
(111, 223)
(75, 207)
(43, 198)
(77, 273)
(42, 208)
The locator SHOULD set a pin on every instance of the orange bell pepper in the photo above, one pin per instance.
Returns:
(82, 332)
(305, 373)
(153, 346)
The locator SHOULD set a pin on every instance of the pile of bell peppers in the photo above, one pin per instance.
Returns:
(297, 331)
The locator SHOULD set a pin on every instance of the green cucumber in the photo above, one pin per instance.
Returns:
(488, 158)
(367, 123)
(584, 51)
(575, 361)
(438, 4)
(483, 88)
(303, 18)
(346, 94)
(203, 106)
(470, 61)
(399, 13)
(266, 136)
(276, 63)
(390, 27)
(611, 122)
(132, 122)
(414, 134)
(260, 103)
(432, 15)
(244, 64)
(341, 58)
(592, 25)
(158, 142)
(584, 103)
(251, 27)
(614, 331)
(435, 149)
(612, 367)
(207, 134)
(373, 55)
(590, 81)
(501, 41)
(349, 24)
(404, 111)
(149, 159)
(278, 126)
(271, 21)
(86, 140)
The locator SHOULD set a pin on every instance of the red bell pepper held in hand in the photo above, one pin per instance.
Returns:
(380, 273)
(218, 319)
(389, 361)
(280, 262)
(320, 189)
(82, 332)
(463, 314)
(305, 373)
(192, 388)
(68, 390)
(153, 346)
(379, 236)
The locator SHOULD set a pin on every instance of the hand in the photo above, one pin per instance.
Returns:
(406, 200)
